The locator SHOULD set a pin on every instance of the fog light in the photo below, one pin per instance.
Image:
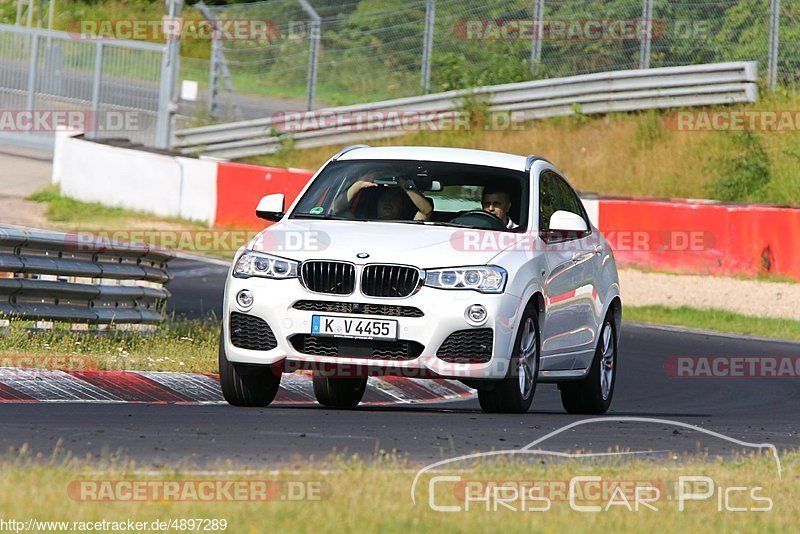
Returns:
(244, 298)
(476, 314)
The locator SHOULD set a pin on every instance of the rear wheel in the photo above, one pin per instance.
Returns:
(246, 385)
(514, 393)
(339, 392)
(593, 394)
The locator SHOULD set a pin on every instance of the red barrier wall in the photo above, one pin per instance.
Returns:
(241, 186)
(702, 237)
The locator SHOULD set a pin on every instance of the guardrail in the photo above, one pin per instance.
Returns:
(626, 90)
(48, 276)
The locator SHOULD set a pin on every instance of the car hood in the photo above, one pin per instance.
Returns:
(423, 246)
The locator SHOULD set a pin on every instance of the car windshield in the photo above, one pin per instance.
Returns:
(425, 192)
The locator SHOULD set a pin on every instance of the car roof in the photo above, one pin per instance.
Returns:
(431, 153)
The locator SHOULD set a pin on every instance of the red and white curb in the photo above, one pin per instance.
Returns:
(46, 385)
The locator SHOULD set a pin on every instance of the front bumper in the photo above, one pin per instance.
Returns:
(444, 313)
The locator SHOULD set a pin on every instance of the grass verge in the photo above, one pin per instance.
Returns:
(632, 154)
(177, 345)
(354, 496)
(108, 223)
(715, 320)
(191, 346)
(79, 215)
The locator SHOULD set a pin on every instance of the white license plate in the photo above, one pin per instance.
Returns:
(362, 328)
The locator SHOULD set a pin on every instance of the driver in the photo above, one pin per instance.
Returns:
(497, 201)
(391, 201)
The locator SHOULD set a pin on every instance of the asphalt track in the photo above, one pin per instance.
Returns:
(748, 409)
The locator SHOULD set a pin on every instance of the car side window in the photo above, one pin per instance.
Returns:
(555, 194)
(571, 202)
(548, 200)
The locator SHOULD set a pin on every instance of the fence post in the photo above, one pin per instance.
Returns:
(427, 46)
(647, 34)
(313, 62)
(96, 78)
(538, 34)
(774, 30)
(313, 51)
(34, 61)
(167, 106)
(213, 76)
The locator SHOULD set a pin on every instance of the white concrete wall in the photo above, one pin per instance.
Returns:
(198, 189)
(159, 184)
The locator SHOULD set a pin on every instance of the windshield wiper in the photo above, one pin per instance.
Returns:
(320, 217)
(431, 223)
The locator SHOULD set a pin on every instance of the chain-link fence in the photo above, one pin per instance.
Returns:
(53, 80)
(373, 50)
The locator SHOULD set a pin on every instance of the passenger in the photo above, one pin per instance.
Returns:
(392, 202)
(497, 201)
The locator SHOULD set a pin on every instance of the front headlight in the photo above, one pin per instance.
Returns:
(486, 279)
(264, 265)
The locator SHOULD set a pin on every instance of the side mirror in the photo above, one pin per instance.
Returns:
(566, 225)
(270, 207)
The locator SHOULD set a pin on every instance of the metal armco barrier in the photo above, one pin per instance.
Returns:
(617, 91)
(48, 276)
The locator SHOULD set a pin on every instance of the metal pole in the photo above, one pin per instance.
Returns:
(30, 13)
(313, 51)
(774, 31)
(313, 62)
(647, 34)
(96, 78)
(19, 11)
(34, 61)
(538, 35)
(213, 76)
(218, 66)
(167, 104)
(427, 45)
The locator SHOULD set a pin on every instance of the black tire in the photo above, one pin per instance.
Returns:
(587, 396)
(506, 395)
(343, 393)
(246, 385)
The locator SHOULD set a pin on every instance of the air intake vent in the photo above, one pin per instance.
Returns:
(367, 349)
(333, 277)
(251, 332)
(467, 346)
(389, 280)
(364, 308)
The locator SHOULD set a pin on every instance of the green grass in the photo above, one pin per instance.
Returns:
(68, 210)
(632, 154)
(715, 320)
(191, 346)
(105, 222)
(176, 345)
(357, 496)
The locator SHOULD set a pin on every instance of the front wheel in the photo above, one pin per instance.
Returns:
(514, 393)
(339, 392)
(593, 394)
(246, 385)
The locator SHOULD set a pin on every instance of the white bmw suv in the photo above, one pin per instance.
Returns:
(429, 263)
